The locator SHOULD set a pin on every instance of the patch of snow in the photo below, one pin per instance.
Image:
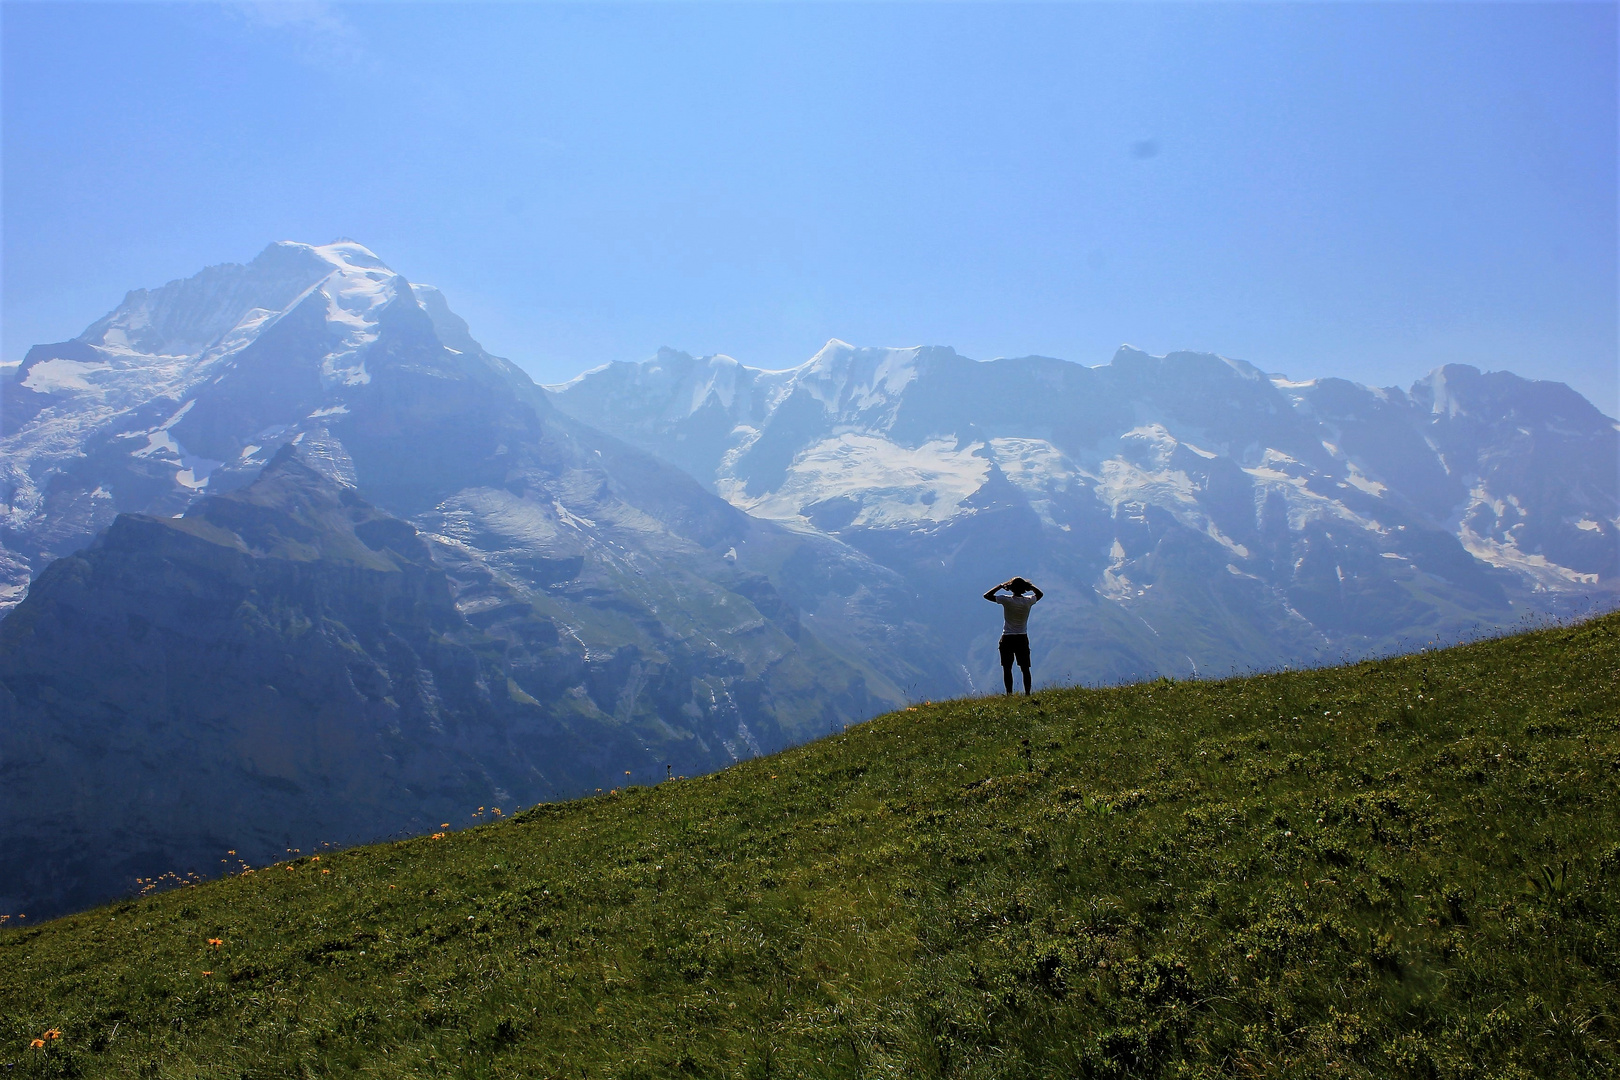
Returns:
(1115, 585)
(196, 472)
(1359, 480)
(330, 410)
(1546, 575)
(158, 441)
(893, 484)
(56, 375)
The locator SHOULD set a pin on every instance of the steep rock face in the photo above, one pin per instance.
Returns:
(1186, 512)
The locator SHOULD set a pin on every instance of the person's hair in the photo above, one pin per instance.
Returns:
(1019, 585)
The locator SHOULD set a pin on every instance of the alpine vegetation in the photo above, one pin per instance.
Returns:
(1403, 868)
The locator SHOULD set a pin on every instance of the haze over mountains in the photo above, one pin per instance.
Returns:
(351, 525)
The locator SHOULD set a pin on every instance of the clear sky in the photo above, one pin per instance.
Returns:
(1361, 190)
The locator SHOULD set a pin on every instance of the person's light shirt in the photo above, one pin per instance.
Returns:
(1015, 613)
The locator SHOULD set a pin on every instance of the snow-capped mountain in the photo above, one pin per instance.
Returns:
(664, 608)
(1187, 512)
(120, 402)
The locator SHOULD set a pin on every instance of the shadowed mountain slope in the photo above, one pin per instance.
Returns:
(285, 665)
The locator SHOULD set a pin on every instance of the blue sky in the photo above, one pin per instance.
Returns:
(1361, 190)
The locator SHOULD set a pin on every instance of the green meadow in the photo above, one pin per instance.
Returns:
(1402, 868)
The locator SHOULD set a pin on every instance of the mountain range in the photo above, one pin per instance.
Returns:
(291, 558)
(1187, 514)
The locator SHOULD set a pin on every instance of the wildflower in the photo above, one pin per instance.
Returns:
(328, 871)
(208, 973)
(314, 858)
(53, 1034)
(216, 942)
(37, 1044)
(444, 825)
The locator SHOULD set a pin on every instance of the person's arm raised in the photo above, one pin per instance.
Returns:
(991, 595)
(1036, 591)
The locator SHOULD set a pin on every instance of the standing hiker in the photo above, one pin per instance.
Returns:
(1015, 626)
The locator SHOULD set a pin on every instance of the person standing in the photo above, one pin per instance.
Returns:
(1015, 626)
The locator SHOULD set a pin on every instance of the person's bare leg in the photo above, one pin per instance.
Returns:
(1006, 676)
(1025, 670)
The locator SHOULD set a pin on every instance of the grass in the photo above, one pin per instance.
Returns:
(1400, 868)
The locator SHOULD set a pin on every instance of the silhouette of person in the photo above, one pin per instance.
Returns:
(1015, 626)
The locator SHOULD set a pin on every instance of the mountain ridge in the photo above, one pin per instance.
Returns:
(1464, 502)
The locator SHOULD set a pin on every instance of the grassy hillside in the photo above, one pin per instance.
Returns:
(1404, 868)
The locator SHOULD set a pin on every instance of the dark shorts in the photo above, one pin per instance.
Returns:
(1015, 647)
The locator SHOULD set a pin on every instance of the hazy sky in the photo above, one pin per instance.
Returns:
(1363, 190)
